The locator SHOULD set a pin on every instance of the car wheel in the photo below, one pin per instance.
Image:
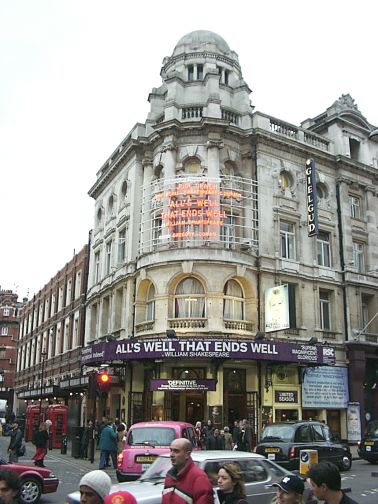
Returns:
(346, 463)
(30, 490)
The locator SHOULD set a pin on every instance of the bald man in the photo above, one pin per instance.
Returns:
(185, 483)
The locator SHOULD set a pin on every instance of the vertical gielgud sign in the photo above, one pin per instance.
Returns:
(311, 198)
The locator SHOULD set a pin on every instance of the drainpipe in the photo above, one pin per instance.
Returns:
(342, 260)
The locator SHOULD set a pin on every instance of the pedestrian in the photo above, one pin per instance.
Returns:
(235, 432)
(228, 443)
(85, 438)
(15, 442)
(122, 497)
(108, 446)
(10, 488)
(185, 482)
(207, 431)
(121, 437)
(245, 437)
(215, 441)
(40, 441)
(289, 490)
(99, 427)
(94, 487)
(325, 482)
(231, 484)
(199, 435)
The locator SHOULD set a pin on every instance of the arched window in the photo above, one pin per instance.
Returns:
(192, 166)
(99, 216)
(190, 299)
(111, 205)
(124, 189)
(150, 304)
(233, 301)
(159, 172)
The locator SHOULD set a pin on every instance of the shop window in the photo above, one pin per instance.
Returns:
(190, 299)
(233, 301)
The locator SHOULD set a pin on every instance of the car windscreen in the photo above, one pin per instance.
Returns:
(157, 470)
(277, 433)
(152, 436)
(372, 428)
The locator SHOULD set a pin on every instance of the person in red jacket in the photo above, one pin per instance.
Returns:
(185, 483)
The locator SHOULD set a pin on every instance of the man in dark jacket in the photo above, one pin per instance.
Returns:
(215, 441)
(108, 446)
(15, 442)
(185, 483)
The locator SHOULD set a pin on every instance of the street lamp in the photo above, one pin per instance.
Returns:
(43, 355)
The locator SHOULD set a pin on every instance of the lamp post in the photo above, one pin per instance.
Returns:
(43, 355)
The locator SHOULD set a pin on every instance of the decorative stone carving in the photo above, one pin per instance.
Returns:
(215, 144)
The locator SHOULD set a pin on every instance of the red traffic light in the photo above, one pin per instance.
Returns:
(104, 378)
(103, 382)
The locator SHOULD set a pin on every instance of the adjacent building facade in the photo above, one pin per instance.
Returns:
(51, 335)
(201, 214)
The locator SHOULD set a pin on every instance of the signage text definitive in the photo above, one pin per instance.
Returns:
(311, 199)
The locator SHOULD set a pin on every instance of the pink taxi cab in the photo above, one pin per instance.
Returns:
(145, 441)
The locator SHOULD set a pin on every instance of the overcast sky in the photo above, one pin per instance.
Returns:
(75, 76)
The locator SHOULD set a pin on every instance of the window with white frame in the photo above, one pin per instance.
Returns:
(355, 207)
(60, 299)
(189, 299)
(108, 256)
(69, 292)
(4, 331)
(121, 246)
(97, 271)
(233, 301)
(287, 240)
(324, 249)
(325, 310)
(6, 312)
(228, 231)
(150, 304)
(358, 256)
(78, 285)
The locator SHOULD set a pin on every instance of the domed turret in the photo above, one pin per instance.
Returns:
(201, 40)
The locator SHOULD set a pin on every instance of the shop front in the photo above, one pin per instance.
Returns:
(221, 380)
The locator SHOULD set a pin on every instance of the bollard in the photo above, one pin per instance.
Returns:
(63, 449)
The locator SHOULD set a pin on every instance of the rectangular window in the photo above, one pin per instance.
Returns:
(199, 72)
(97, 267)
(226, 76)
(324, 249)
(78, 285)
(190, 72)
(355, 207)
(121, 246)
(6, 312)
(354, 149)
(68, 292)
(358, 257)
(287, 240)
(325, 310)
(108, 256)
(4, 331)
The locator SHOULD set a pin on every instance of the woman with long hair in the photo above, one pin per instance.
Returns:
(40, 440)
(231, 484)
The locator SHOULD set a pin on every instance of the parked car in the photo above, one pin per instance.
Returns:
(35, 481)
(283, 441)
(368, 446)
(145, 441)
(259, 474)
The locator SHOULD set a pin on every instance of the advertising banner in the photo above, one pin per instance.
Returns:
(325, 387)
(182, 385)
(139, 349)
(277, 308)
(354, 421)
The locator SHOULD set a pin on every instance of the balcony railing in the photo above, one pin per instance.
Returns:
(192, 112)
(187, 323)
(144, 326)
(238, 325)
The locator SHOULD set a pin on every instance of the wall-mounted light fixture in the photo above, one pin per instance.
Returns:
(171, 333)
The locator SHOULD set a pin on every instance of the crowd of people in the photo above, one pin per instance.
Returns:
(210, 437)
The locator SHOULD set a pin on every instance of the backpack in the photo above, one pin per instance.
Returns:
(22, 450)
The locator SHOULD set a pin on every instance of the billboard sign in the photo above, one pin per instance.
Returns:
(277, 313)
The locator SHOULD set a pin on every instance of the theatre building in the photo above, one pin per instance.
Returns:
(224, 254)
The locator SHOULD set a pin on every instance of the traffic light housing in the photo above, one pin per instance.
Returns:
(103, 382)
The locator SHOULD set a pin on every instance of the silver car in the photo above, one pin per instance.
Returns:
(259, 474)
